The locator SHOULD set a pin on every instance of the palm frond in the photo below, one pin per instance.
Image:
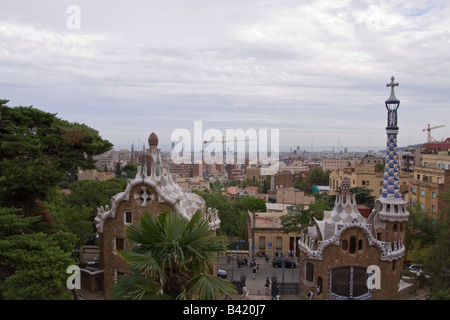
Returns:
(205, 286)
(135, 287)
(143, 262)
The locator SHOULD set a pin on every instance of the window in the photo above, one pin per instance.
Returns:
(319, 284)
(360, 245)
(262, 243)
(352, 245)
(279, 243)
(348, 282)
(418, 176)
(344, 245)
(309, 271)
(119, 243)
(422, 193)
(128, 217)
(414, 191)
(433, 195)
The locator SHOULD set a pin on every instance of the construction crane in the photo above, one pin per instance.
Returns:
(429, 128)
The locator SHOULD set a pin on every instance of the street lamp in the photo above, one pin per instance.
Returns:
(233, 258)
(253, 233)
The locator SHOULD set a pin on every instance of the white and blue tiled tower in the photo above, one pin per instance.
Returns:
(390, 206)
(391, 188)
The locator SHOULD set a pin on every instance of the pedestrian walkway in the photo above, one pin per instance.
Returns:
(256, 288)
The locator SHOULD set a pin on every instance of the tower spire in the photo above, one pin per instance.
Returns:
(392, 104)
(391, 188)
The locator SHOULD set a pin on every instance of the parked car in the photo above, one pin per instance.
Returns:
(414, 268)
(222, 273)
(278, 263)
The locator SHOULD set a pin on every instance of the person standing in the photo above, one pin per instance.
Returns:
(245, 294)
(254, 273)
(267, 285)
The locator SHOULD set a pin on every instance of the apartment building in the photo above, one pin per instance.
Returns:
(364, 175)
(338, 163)
(431, 178)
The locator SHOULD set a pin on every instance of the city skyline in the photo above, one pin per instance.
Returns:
(315, 70)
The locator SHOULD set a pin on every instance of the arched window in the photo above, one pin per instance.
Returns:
(344, 245)
(128, 217)
(348, 282)
(360, 245)
(319, 285)
(352, 244)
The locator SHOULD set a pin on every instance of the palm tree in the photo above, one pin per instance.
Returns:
(171, 259)
(215, 188)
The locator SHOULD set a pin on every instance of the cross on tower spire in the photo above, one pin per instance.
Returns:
(392, 84)
(392, 104)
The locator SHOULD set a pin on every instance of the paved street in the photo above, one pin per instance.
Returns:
(256, 286)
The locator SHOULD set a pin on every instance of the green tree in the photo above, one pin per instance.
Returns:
(93, 194)
(118, 172)
(437, 263)
(299, 222)
(215, 188)
(317, 176)
(171, 260)
(37, 149)
(295, 222)
(364, 196)
(129, 171)
(432, 237)
(32, 264)
(76, 211)
(251, 204)
(420, 232)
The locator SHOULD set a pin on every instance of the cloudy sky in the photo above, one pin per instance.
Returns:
(315, 70)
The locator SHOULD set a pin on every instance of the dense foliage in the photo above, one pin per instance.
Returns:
(37, 149)
(37, 233)
(33, 264)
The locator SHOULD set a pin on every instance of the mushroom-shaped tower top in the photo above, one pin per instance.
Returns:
(153, 140)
